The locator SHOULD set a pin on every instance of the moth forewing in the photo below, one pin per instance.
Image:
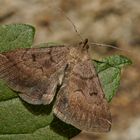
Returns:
(35, 72)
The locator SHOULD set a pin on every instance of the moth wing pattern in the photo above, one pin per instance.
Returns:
(34, 72)
(81, 100)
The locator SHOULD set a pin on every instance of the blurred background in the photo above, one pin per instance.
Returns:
(115, 22)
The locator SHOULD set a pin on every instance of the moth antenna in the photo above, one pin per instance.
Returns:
(110, 46)
(72, 23)
(68, 18)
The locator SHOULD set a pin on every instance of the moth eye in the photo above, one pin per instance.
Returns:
(93, 93)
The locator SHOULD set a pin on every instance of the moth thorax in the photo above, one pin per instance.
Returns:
(77, 54)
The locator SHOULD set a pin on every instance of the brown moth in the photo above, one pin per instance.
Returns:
(36, 73)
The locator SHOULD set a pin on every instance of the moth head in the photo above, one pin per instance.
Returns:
(80, 51)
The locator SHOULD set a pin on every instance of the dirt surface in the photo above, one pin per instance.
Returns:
(115, 22)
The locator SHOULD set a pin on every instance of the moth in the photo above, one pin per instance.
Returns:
(38, 74)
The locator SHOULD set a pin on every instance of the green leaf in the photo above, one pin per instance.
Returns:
(5, 92)
(109, 71)
(19, 117)
(45, 133)
(16, 36)
(117, 61)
